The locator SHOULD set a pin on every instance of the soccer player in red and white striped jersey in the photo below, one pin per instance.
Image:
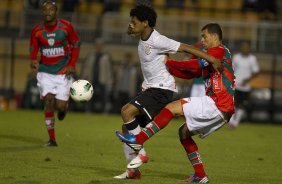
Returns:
(54, 49)
(203, 115)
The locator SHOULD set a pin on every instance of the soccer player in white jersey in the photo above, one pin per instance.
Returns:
(246, 69)
(158, 85)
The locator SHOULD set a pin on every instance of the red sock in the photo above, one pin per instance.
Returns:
(159, 122)
(191, 149)
(50, 124)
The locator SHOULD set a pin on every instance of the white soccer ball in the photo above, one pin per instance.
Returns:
(81, 91)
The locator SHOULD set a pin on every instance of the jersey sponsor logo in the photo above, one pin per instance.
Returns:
(51, 41)
(53, 52)
(216, 79)
(51, 34)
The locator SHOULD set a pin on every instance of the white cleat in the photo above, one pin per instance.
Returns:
(129, 174)
(138, 161)
(121, 176)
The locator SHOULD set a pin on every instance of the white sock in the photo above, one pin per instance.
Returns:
(142, 152)
(136, 130)
(129, 153)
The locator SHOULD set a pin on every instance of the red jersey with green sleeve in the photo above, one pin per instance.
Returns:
(219, 86)
(58, 45)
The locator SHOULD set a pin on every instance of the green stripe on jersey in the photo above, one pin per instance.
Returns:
(54, 68)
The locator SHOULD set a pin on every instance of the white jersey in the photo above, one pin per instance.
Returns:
(152, 54)
(244, 68)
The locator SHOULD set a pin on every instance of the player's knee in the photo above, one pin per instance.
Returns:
(129, 111)
(183, 132)
(175, 108)
(62, 107)
(49, 100)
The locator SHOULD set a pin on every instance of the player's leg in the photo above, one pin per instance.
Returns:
(128, 113)
(62, 107)
(140, 157)
(63, 84)
(49, 109)
(159, 122)
(202, 117)
(150, 103)
(193, 155)
(240, 101)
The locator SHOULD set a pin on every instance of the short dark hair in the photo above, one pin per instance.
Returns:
(213, 28)
(143, 13)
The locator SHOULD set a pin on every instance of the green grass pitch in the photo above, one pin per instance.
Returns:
(90, 153)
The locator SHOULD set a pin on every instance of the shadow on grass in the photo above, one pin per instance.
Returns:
(164, 174)
(37, 143)
(109, 172)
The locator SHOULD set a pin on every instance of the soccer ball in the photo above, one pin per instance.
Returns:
(81, 91)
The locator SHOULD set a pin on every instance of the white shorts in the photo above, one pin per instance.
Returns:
(198, 90)
(59, 85)
(201, 115)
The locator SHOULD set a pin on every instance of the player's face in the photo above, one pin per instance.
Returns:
(49, 12)
(135, 27)
(207, 39)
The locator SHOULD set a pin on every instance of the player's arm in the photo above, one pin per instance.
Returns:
(186, 69)
(74, 42)
(217, 64)
(33, 51)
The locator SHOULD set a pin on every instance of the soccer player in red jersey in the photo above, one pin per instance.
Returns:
(54, 49)
(203, 115)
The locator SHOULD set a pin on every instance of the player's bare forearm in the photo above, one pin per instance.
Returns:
(217, 64)
(195, 51)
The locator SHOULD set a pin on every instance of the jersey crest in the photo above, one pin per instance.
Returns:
(51, 41)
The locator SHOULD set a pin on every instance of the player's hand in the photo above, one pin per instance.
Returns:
(69, 70)
(218, 65)
(34, 65)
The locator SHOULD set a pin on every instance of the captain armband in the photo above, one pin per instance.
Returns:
(203, 63)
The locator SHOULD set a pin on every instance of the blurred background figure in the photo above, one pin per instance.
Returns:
(31, 96)
(126, 81)
(198, 87)
(98, 69)
(246, 68)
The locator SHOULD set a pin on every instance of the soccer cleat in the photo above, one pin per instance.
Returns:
(51, 143)
(126, 138)
(137, 161)
(61, 115)
(195, 179)
(130, 140)
(129, 174)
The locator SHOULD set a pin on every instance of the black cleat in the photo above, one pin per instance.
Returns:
(61, 115)
(51, 143)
